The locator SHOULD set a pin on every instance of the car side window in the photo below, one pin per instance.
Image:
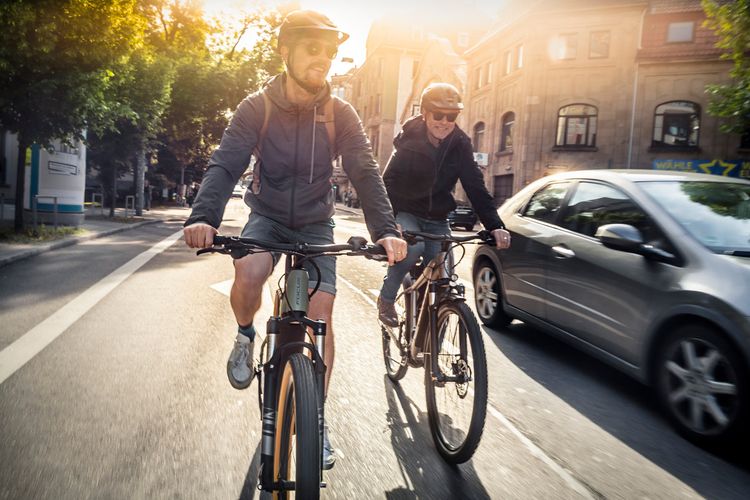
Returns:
(546, 202)
(594, 204)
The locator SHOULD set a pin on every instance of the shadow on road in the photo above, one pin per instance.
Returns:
(622, 407)
(422, 468)
(250, 487)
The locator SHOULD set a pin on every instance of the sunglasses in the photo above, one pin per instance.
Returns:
(439, 115)
(315, 48)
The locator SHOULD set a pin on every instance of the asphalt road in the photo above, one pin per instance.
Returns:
(120, 392)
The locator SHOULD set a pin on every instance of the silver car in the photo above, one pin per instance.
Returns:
(647, 270)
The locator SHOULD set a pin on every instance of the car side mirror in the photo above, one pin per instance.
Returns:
(627, 238)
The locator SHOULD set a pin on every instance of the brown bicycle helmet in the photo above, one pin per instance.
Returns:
(299, 22)
(440, 96)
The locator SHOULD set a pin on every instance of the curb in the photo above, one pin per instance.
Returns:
(31, 252)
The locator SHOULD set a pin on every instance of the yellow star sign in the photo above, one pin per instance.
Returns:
(717, 167)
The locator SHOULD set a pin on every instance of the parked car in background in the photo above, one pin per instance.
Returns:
(646, 270)
(238, 191)
(463, 216)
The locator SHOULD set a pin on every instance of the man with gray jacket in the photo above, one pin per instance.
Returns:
(291, 197)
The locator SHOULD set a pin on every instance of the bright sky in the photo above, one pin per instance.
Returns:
(352, 16)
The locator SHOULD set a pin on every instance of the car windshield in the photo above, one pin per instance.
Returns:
(716, 213)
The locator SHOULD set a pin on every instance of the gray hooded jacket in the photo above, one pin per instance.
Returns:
(295, 185)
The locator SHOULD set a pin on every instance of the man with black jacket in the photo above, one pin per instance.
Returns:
(431, 155)
(291, 196)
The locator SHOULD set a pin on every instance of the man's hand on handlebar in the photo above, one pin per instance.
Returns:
(199, 235)
(502, 238)
(395, 248)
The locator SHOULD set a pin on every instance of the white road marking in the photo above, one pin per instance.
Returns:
(32, 342)
(571, 481)
(223, 287)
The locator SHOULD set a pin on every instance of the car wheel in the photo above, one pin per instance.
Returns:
(488, 296)
(702, 385)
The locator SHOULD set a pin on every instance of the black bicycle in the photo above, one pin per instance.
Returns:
(291, 369)
(439, 332)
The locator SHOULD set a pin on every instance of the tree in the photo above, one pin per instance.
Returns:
(731, 23)
(141, 85)
(56, 58)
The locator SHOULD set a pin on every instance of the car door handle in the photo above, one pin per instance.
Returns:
(563, 252)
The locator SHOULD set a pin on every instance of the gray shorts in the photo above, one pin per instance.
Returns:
(321, 233)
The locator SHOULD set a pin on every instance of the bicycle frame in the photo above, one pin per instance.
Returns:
(289, 314)
(421, 321)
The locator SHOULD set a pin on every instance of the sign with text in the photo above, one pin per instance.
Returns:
(482, 159)
(732, 168)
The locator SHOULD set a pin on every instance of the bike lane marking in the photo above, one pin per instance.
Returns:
(537, 452)
(31, 343)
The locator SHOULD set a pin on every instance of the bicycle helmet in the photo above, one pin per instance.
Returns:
(440, 96)
(302, 22)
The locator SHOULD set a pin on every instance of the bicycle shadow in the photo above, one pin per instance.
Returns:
(250, 486)
(420, 464)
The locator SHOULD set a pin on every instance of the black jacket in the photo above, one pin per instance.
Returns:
(420, 185)
(296, 174)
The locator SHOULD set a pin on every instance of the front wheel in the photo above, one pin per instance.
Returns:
(297, 456)
(703, 386)
(457, 409)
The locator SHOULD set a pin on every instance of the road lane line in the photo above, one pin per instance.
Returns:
(568, 478)
(32, 342)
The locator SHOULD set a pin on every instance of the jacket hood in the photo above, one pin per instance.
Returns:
(275, 88)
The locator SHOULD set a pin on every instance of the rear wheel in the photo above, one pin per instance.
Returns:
(488, 296)
(297, 443)
(703, 386)
(395, 340)
(457, 409)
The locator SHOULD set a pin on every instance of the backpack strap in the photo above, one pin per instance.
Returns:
(255, 186)
(329, 120)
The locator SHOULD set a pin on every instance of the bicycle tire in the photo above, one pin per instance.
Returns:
(455, 444)
(297, 455)
(395, 351)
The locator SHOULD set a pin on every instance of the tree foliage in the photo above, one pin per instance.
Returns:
(730, 20)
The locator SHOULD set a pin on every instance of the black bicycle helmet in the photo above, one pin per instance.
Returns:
(440, 96)
(301, 22)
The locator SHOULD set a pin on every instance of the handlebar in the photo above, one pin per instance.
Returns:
(239, 247)
(482, 236)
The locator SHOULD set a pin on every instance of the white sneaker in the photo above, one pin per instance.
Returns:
(329, 454)
(240, 364)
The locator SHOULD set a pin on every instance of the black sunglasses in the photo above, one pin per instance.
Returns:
(439, 115)
(315, 48)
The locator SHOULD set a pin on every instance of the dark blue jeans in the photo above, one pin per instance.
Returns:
(427, 250)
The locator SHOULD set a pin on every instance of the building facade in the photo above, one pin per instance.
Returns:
(574, 84)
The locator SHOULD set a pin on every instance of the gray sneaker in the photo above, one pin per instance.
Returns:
(387, 313)
(329, 454)
(240, 365)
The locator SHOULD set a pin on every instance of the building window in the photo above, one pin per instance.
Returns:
(478, 77)
(374, 140)
(415, 109)
(506, 137)
(599, 44)
(380, 67)
(507, 63)
(478, 137)
(414, 68)
(576, 126)
(378, 104)
(519, 57)
(489, 70)
(680, 32)
(462, 39)
(502, 188)
(566, 46)
(676, 124)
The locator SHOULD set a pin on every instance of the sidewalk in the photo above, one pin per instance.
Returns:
(95, 225)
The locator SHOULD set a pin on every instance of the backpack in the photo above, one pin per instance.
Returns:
(327, 118)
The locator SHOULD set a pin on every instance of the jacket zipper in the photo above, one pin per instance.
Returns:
(437, 171)
(294, 172)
